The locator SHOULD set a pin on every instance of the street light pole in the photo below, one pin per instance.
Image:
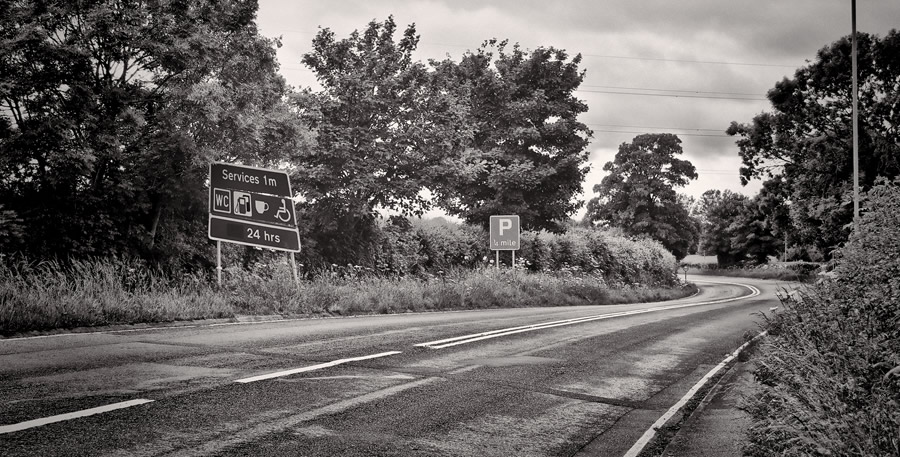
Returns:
(855, 121)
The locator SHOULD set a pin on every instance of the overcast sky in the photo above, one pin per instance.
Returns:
(688, 67)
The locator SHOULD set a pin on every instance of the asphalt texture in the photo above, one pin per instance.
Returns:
(579, 387)
(717, 428)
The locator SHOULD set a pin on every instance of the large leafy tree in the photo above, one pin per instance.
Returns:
(736, 228)
(527, 150)
(806, 139)
(719, 210)
(639, 196)
(384, 128)
(112, 110)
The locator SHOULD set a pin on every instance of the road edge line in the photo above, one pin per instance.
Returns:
(648, 435)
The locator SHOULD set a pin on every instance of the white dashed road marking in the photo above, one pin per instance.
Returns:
(64, 417)
(279, 374)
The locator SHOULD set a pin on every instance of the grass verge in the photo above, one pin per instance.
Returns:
(50, 295)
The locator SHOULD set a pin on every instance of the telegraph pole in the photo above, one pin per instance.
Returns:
(855, 120)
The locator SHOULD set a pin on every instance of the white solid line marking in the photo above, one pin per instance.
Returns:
(68, 416)
(314, 367)
(464, 339)
(103, 332)
(651, 432)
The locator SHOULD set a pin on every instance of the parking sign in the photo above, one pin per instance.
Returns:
(505, 233)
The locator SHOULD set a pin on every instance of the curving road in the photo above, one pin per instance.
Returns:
(537, 381)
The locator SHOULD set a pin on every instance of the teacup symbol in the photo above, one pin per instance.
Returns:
(261, 206)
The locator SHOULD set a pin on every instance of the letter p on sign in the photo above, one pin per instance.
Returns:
(504, 232)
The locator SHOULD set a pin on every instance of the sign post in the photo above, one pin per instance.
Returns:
(505, 236)
(253, 207)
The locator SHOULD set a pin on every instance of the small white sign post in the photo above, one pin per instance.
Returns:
(505, 236)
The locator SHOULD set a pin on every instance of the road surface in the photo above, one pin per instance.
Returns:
(539, 381)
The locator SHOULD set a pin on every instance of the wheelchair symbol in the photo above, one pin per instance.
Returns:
(283, 214)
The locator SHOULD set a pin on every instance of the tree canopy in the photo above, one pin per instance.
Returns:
(807, 138)
(639, 196)
(527, 150)
(112, 111)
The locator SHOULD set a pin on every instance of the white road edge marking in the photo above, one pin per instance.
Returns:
(314, 367)
(651, 432)
(74, 415)
(449, 342)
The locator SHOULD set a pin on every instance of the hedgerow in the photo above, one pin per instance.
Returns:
(430, 247)
(831, 370)
(415, 266)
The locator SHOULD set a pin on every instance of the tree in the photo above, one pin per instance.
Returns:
(719, 210)
(383, 130)
(738, 229)
(806, 139)
(113, 109)
(639, 194)
(527, 150)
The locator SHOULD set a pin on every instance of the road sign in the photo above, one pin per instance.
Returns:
(251, 206)
(249, 179)
(505, 233)
(254, 234)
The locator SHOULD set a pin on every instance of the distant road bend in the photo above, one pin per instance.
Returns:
(561, 381)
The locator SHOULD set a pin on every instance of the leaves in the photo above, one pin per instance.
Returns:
(526, 150)
(806, 139)
(638, 195)
(114, 109)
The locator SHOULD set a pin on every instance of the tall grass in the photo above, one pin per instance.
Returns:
(830, 371)
(53, 295)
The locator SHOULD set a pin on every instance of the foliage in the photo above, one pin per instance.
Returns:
(831, 371)
(737, 229)
(83, 293)
(112, 111)
(807, 137)
(617, 259)
(383, 126)
(12, 234)
(526, 151)
(638, 195)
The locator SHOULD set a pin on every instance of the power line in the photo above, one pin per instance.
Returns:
(710, 97)
(660, 128)
(674, 90)
(711, 62)
(642, 132)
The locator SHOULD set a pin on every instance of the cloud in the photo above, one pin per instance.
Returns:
(616, 38)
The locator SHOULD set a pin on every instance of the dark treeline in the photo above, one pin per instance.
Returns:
(112, 111)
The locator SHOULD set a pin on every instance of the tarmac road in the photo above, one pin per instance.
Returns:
(538, 381)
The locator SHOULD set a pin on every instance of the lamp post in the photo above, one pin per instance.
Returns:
(855, 119)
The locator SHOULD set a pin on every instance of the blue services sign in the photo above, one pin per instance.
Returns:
(252, 206)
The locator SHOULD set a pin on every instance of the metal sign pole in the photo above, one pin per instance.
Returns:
(513, 265)
(497, 252)
(219, 261)
(294, 271)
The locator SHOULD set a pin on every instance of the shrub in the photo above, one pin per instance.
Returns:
(831, 369)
